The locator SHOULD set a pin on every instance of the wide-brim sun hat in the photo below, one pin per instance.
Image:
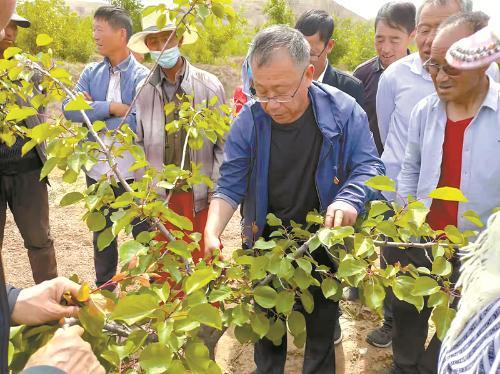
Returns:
(137, 42)
(20, 21)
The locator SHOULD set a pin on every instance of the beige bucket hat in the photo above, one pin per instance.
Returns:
(137, 42)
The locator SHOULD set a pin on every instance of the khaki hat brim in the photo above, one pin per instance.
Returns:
(137, 42)
(20, 21)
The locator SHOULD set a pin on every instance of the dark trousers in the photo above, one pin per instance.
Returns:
(106, 260)
(410, 328)
(319, 355)
(388, 298)
(27, 198)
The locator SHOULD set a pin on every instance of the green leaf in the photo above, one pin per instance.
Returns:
(179, 247)
(20, 114)
(454, 235)
(285, 302)
(304, 265)
(363, 245)
(28, 146)
(265, 296)
(315, 218)
(329, 286)
(425, 286)
(373, 293)
(43, 40)
(197, 357)
(98, 125)
(260, 324)
(199, 279)
(381, 183)
(442, 267)
(272, 220)
(302, 279)
(96, 221)
(307, 301)
(105, 238)
(133, 308)
(442, 317)
(71, 198)
(474, 218)
(77, 104)
(218, 10)
(350, 266)
(181, 222)
(448, 194)
(129, 250)
(91, 320)
(10, 52)
(206, 314)
(276, 332)
(403, 288)
(377, 208)
(262, 244)
(11, 350)
(296, 323)
(156, 358)
(437, 299)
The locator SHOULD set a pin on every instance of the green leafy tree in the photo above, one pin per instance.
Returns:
(354, 43)
(72, 34)
(278, 12)
(134, 9)
(170, 312)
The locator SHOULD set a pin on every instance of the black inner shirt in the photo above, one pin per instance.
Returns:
(294, 156)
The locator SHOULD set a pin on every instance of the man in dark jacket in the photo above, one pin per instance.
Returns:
(317, 27)
(297, 146)
(20, 186)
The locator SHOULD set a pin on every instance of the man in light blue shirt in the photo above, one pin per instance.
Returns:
(453, 141)
(405, 82)
(110, 86)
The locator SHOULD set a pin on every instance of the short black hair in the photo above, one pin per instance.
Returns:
(475, 20)
(314, 21)
(117, 17)
(398, 15)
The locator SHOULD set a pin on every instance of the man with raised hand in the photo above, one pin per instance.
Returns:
(110, 87)
(453, 141)
(299, 146)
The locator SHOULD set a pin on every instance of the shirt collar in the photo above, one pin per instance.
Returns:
(178, 76)
(490, 101)
(322, 76)
(417, 67)
(122, 66)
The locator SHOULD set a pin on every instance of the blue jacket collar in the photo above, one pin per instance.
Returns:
(331, 108)
(122, 66)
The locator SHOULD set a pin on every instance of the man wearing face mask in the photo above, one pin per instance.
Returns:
(175, 80)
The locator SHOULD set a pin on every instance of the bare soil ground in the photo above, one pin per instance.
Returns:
(73, 244)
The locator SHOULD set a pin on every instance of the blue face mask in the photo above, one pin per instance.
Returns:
(168, 59)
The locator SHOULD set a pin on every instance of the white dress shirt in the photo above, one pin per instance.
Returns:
(126, 160)
(322, 76)
(402, 85)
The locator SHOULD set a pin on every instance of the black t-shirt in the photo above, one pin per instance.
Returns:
(294, 155)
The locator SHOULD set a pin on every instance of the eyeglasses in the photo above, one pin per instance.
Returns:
(314, 58)
(434, 68)
(279, 98)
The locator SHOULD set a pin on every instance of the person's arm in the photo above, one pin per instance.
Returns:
(219, 214)
(385, 105)
(361, 163)
(410, 168)
(100, 111)
(12, 295)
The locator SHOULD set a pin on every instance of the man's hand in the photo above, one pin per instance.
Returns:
(118, 109)
(340, 213)
(212, 243)
(69, 352)
(41, 303)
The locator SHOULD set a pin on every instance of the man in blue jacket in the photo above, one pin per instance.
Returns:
(110, 86)
(297, 146)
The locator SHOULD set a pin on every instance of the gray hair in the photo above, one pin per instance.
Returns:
(279, 37)
(465, 5)
(475, 20)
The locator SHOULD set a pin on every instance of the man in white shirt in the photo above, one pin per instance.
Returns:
(404, 83)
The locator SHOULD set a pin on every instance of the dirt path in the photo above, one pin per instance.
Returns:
(73, 244)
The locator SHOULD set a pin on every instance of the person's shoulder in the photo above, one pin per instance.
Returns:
(363, 69)
(92, 67)
(346, 77)
(425, 105)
